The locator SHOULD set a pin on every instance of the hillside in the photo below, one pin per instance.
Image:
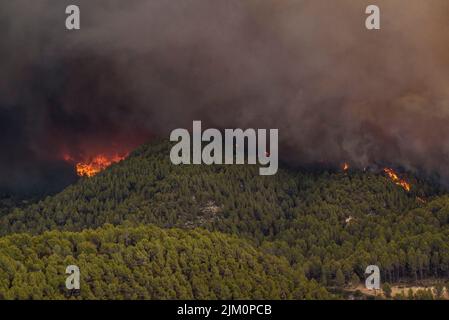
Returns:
(146, 262)
(331, 224)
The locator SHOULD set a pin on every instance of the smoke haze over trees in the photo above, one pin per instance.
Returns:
(138, 69)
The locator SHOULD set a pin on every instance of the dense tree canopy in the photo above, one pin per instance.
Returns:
(147, 262)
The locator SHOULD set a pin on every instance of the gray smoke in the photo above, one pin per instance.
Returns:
(336, 91)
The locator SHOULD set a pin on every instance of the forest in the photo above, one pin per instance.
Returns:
(133, 225)
(147, 262)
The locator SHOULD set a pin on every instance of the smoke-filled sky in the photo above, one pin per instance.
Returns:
(140, 68)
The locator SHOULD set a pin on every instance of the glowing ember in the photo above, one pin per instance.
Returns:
(93, 166)
(395, 178)
(419, 199)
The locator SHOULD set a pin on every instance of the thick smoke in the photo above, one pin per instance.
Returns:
(140, 68)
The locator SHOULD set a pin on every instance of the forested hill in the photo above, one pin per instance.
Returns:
(147, 188)
(147, 262)
(332, 224)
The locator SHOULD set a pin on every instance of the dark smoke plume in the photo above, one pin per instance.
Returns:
(140, 68)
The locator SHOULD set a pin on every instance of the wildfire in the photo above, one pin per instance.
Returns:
(94, 165)
(345, 166)
(395, 178)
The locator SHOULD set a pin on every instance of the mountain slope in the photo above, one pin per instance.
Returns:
(146, 187)
(329, 223)
(146, 262)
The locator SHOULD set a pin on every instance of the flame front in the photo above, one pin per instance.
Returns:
(93, 165)
(395, 178)
(345, 166)
(96, 165)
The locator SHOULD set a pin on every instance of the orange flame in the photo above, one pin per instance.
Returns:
(345, 166)
(395, 178)
(92, 166)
